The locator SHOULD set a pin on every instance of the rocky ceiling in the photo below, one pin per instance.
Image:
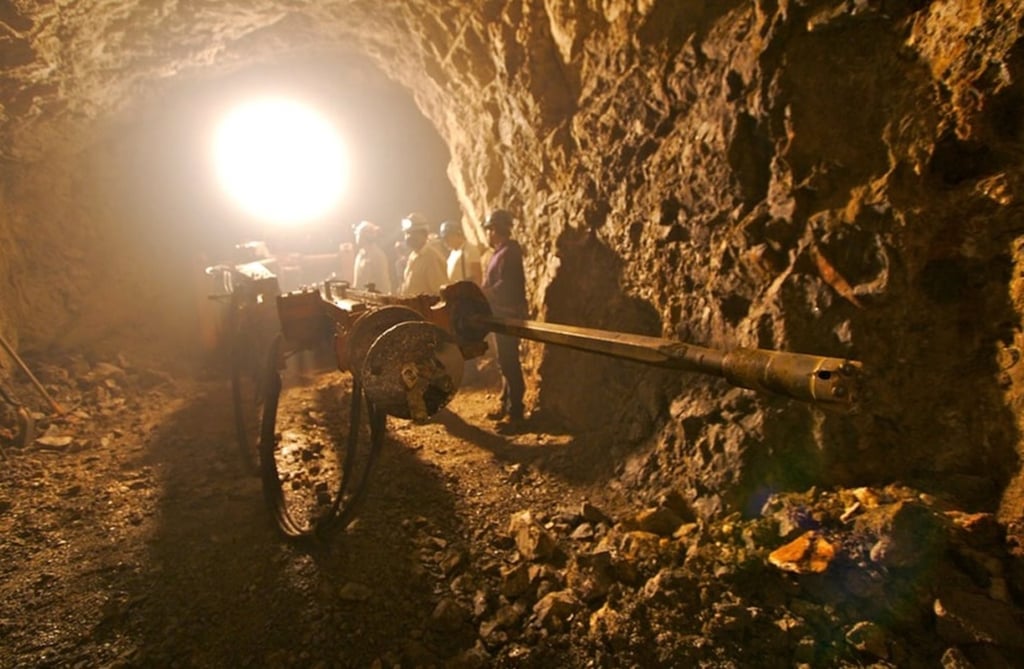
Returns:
(832, 176)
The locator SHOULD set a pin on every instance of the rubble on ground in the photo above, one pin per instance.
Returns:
(881, 576)
(869, 576)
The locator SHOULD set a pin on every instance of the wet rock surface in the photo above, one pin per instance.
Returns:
(144, 542)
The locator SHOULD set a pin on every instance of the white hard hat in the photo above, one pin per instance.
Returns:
(414, 222)
(364, 228)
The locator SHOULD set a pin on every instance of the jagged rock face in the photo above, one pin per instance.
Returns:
(832, 177)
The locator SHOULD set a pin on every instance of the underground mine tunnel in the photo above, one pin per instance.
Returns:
(835, 178)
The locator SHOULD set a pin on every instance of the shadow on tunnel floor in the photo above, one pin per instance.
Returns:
(223, 589)
(540, 441)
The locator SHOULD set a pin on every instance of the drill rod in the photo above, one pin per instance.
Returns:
(822, 380)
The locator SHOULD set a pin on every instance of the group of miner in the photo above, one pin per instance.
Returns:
(426, 262)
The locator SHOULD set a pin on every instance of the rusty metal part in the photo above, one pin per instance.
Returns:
(412, 370)
(304, 322)
(32, 377)
(464, 312)
(830, 382)
(453, 311)
(307, 318)
(369, 327)
(340, 290)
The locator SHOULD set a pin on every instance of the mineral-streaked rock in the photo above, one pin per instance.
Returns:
(810, 553)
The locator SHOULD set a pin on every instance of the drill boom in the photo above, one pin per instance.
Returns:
(825, 381)
(463, 311)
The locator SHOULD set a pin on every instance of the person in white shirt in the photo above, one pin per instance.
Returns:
(371, 266)
(463, 259)
(425, 270)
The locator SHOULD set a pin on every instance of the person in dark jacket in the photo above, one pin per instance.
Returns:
(505, 287)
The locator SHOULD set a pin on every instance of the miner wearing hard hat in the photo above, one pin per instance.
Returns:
(425, 270)
(505, 287)
(371, 268)
(463, 258)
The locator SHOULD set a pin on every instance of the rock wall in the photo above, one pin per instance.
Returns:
(827, 176)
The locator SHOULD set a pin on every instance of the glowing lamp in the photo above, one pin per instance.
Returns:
(281, 161)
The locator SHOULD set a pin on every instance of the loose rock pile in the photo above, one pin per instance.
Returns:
(886, 577)
(90, 393)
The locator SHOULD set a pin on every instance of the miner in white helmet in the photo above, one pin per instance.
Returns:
(425, 270)
(463, 258)
(371, 266)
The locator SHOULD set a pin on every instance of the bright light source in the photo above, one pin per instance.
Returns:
(280, 160)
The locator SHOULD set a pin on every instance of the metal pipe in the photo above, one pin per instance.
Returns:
(830, 382)
(639, 348)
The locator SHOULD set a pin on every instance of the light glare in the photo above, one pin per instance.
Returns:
(281, 161)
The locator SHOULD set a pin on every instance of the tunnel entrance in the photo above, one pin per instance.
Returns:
(145, 214)
(398, 162)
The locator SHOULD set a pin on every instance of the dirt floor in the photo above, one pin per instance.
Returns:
(132, 535)
(144, 542)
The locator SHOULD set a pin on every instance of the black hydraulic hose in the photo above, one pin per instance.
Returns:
(340, 517)
(345, 503)
(273, 493)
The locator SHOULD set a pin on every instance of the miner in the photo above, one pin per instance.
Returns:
(505, 287)
(425, 270)
(371, 266)
(463, 258)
